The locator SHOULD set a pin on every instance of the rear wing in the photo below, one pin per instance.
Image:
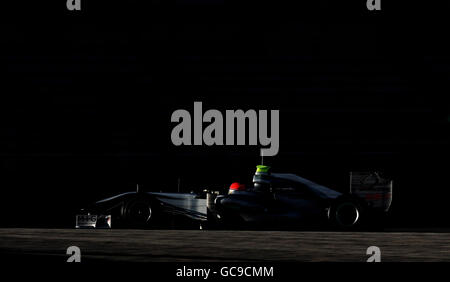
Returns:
(371, 187)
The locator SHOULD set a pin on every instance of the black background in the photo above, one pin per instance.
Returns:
(86, 99)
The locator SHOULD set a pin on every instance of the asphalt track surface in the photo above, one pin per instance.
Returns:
(222, 246)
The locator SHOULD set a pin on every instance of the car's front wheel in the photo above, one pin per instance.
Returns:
(138, 213)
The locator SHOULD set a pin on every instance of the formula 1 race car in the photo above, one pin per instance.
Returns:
(274, 200)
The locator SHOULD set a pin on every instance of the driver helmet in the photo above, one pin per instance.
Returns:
(236, 186)
(261, 181)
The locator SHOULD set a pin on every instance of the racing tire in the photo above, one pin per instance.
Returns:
(346, 214)
(138, 213)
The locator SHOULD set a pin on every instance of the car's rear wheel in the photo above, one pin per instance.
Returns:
(346, 214)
